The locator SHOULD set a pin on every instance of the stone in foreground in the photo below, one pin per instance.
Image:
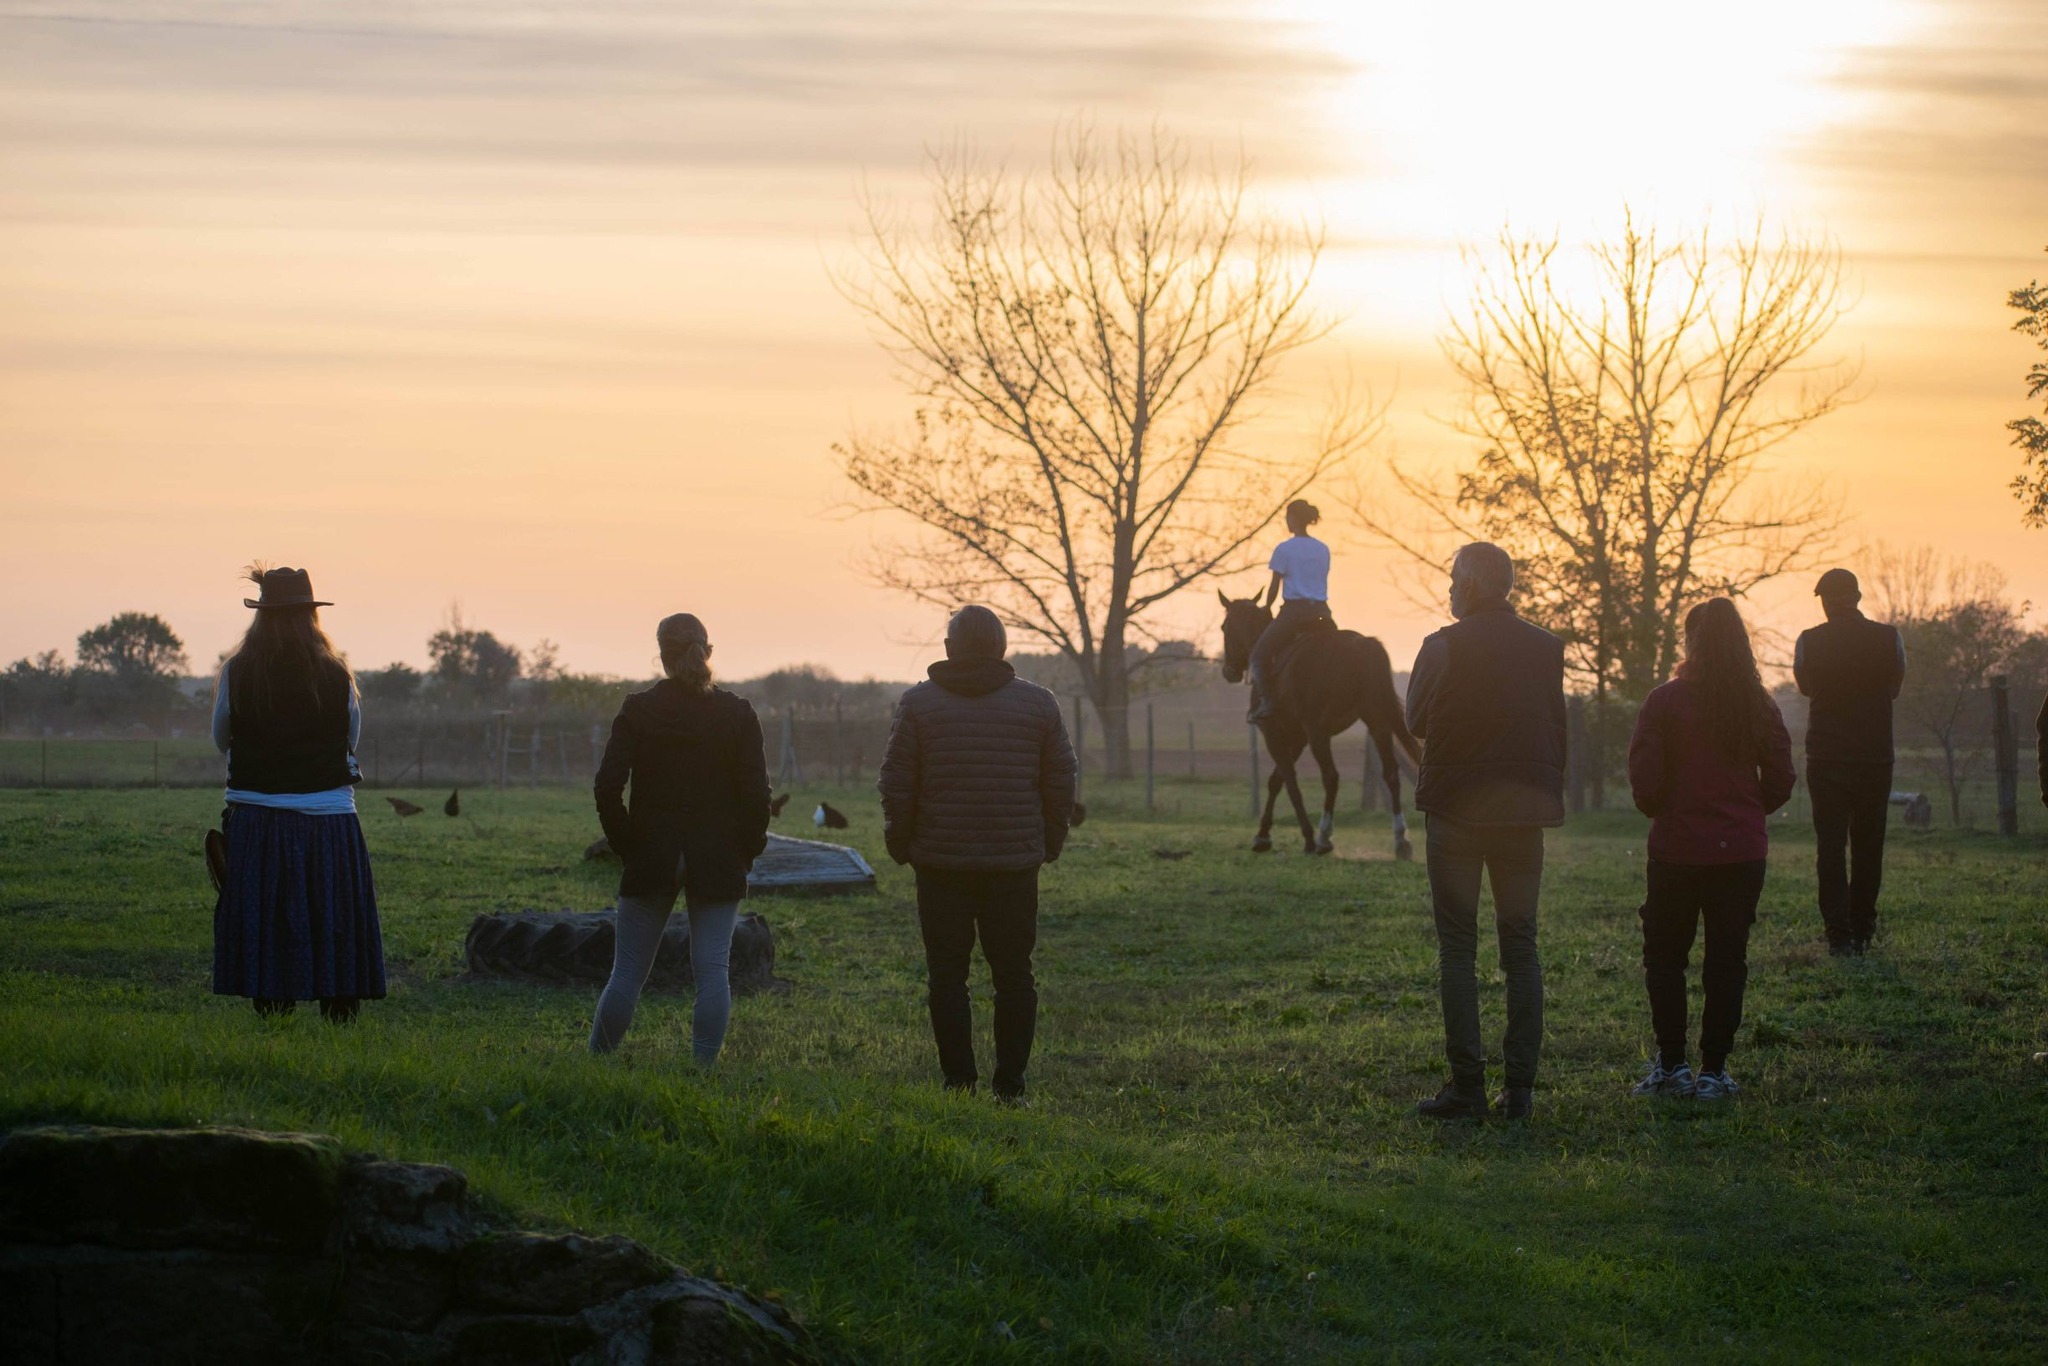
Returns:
(140, 1245)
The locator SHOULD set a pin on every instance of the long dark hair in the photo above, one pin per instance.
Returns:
(283, 657)
(1720, 663)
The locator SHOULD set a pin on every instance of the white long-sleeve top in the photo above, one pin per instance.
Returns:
(338, 801)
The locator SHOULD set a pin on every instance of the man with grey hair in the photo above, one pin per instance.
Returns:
(977, 791)
(1486, 698)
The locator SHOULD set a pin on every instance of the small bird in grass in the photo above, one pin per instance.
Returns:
(775, 805)
(828, 817)
(453, 806)
(1080, 814)
(404, 807)
(1172, 855)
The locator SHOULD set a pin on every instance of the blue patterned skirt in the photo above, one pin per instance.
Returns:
(297, 916)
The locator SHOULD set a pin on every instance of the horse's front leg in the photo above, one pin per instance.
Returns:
(1390, 768)
(1262, 843)
(1308, 831)
(1326, 763)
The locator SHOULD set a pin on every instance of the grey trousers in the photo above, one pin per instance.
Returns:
(1512, 859)
(640, 925)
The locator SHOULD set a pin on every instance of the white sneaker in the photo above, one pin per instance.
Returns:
(1675, 1084)
(1715, 1086)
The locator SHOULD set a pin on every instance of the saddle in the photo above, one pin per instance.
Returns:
(1309, 633)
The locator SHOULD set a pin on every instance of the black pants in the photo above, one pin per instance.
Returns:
(1850, 805)
(952, 906)
(1680, 896)
(1511, 858)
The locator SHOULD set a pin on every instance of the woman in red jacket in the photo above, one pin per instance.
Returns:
(1710, 759)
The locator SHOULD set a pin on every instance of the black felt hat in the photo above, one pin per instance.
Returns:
(285, 588)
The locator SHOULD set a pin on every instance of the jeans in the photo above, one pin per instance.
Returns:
(952, 906)
(1512, 858)
(1295, 616)
(641, 921)
(1850, 805)
(1680, 896)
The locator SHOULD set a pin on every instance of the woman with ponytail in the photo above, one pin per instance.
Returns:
(1710, 759)
(1301, 585)
(297, 915)
(697, 820)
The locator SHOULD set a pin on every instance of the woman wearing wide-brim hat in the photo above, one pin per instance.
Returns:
(297, 915)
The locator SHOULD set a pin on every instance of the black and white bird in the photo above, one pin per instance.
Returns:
(453, 806)
(828, 817)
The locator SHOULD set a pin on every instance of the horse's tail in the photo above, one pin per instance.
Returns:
(1383, 705)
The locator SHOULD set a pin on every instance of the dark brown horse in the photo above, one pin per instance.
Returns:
(1331, 680)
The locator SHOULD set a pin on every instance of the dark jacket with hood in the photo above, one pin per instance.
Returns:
(1486, 697)
(700, 792)
(979, 773)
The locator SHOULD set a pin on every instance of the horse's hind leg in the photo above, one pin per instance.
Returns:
(1390, 767)
(1327, 763)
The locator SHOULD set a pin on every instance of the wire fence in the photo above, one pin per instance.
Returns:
(1171, 743)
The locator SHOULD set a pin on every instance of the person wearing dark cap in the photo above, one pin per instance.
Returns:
(297, 915)
(1486, 697)
(977, 789)
(697, 820)
(1851, 669)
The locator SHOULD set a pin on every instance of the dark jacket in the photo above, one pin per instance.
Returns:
(298, 745)
(700, 790)
(1486, 697)
(978, 773)
(1703, 806)
(1852, 668)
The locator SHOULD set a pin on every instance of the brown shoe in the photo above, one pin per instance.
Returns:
(1451, 1103)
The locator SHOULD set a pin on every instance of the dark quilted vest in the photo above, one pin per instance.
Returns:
(299, 746)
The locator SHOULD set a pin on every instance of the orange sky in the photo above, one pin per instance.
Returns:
(527, 306)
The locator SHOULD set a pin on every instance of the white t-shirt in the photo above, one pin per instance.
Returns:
(1303, 564)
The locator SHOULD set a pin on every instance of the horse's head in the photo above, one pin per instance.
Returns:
(1244, 621)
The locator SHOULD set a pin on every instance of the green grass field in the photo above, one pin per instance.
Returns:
(1220, 1162)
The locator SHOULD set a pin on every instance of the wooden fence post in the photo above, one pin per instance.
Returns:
(1368, 783)
(1080, 741)
(1191, 749)
(2007, 756)
(1149, 755)
(1252, 732)
(1575, 763)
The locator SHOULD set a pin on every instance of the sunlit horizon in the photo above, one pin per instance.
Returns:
(530, 310)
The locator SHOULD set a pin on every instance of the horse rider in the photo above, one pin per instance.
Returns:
(1301, 580)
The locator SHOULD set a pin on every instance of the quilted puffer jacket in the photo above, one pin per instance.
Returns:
(979, 773)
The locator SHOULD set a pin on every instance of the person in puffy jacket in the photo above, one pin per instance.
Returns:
(977, 789)
(1710, 759)
(697, 821)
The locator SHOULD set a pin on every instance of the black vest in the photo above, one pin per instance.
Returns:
(302, 746)
(1495, 752)
(1849, 669)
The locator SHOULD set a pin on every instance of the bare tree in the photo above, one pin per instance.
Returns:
(1624, 415)
(1960, 627)
(1088, 350)
(2030, 434)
